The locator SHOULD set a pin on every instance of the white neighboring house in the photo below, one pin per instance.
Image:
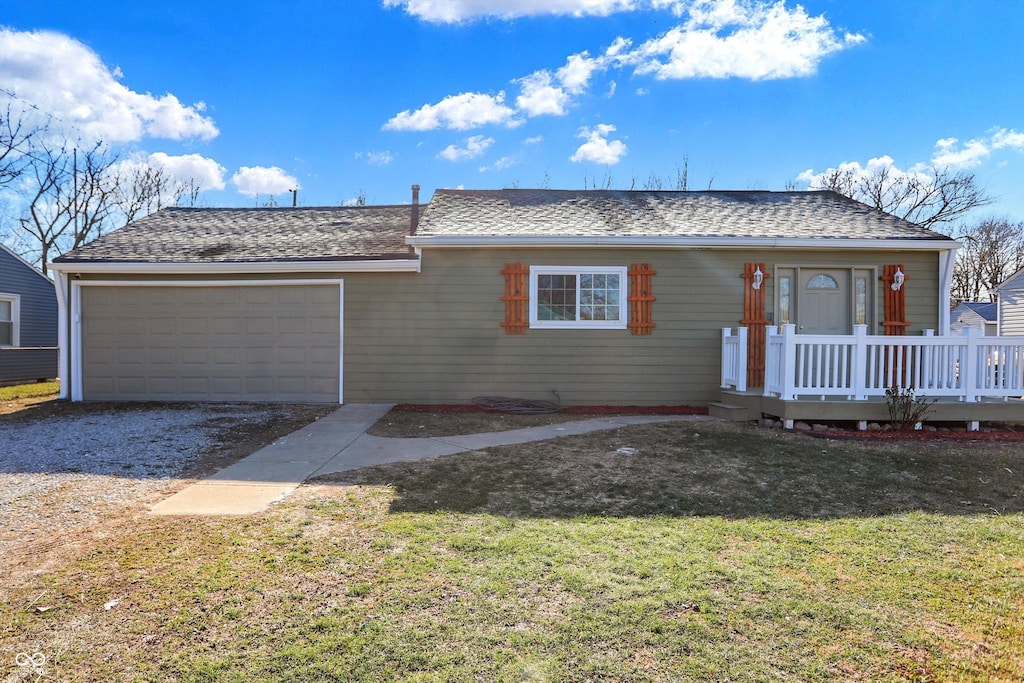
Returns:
(978, 314)
(1010, 296)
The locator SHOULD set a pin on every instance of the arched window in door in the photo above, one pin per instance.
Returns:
(822, 281)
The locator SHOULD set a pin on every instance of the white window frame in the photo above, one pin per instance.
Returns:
(15, 300)
(577, 271)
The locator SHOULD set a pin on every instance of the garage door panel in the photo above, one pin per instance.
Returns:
(247, 343)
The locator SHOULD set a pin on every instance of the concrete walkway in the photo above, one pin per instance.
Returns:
(338, 443)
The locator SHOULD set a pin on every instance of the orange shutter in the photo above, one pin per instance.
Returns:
(754, 319)
(895, 322)
(516, 298)
(641, 300)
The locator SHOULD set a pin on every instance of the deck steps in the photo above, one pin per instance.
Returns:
(736, 406)
(728, 412)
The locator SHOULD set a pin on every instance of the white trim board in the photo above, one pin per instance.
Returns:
(802, 243)
(75, 359)
(237, 268)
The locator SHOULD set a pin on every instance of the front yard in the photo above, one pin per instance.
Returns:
(673, 552)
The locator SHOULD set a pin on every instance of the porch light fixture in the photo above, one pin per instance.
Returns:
(759, 278)
(897, 280)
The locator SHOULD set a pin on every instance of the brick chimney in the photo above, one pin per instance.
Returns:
(415, 217)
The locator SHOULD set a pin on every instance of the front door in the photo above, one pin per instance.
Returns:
(823, 302)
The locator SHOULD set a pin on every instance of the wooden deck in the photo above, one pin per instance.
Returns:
(752, 405)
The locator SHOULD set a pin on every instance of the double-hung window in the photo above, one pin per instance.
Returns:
(583, 297)
(8, 320)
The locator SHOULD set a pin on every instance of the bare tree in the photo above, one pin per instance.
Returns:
(992, 251)
(70, 201)
(16, 136)
(187, 193)
(928, 199)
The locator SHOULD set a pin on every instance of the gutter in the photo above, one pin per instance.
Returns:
(460, 241)
(237, 267)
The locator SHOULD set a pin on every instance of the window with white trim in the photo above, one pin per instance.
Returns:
(578, 297)
(9, 319)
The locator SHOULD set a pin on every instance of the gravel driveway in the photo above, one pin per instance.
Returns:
(76, 464)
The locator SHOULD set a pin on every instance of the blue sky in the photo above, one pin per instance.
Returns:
(370, 96)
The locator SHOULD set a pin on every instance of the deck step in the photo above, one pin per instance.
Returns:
(727, 411)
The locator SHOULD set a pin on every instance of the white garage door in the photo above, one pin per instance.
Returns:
(211, 343)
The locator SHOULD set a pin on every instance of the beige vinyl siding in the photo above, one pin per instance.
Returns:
(435, 337)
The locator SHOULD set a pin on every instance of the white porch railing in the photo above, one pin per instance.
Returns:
(858, 366)
(734, 359)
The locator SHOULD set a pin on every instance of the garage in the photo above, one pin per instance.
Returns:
(210, 341)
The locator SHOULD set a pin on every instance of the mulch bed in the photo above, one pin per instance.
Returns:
(987, 433)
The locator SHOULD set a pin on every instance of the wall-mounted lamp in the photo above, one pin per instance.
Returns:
(897, 280)
(759, 278)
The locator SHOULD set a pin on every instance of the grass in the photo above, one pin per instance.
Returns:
(35, 390)
(711, 553)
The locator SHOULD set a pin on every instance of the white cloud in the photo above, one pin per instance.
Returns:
(499, 165)
(458, 11)
(206, 172)
(736, 39)
(752, 39)
(456, 112)
(1002, 138)
(949, 151)
(475, 146)
(535, 140)
(874, 167)
(376, 158)
(598, 148)
(540, 97)
(64, 78)
(575, 75)
(256, 180)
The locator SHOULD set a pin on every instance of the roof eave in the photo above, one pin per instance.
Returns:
(457, 241)
(410, 265)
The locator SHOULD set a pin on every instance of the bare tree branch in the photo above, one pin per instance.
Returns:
(928, 199)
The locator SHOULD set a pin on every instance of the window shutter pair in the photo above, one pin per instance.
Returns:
(517, 298)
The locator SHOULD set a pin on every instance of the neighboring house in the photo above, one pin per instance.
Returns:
(983, 316)
(1010, 300)
(28, 322)
(605, 297)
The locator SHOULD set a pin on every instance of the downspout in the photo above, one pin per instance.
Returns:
(60, 284)
(947, 261)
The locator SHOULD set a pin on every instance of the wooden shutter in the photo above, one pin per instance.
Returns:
(516, 298)
(895, 322)
(754, 319)
(641, 299)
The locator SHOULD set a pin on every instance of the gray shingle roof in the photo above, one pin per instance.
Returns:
(711, 214)
(202, 235)
(988, 311)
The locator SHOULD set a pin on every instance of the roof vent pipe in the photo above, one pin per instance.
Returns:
(415, 217)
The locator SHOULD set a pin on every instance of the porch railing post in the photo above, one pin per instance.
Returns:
(725, 369)
(788, 367)
(972, 363)
(734, 359)
(741, 360)
(858, 373)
